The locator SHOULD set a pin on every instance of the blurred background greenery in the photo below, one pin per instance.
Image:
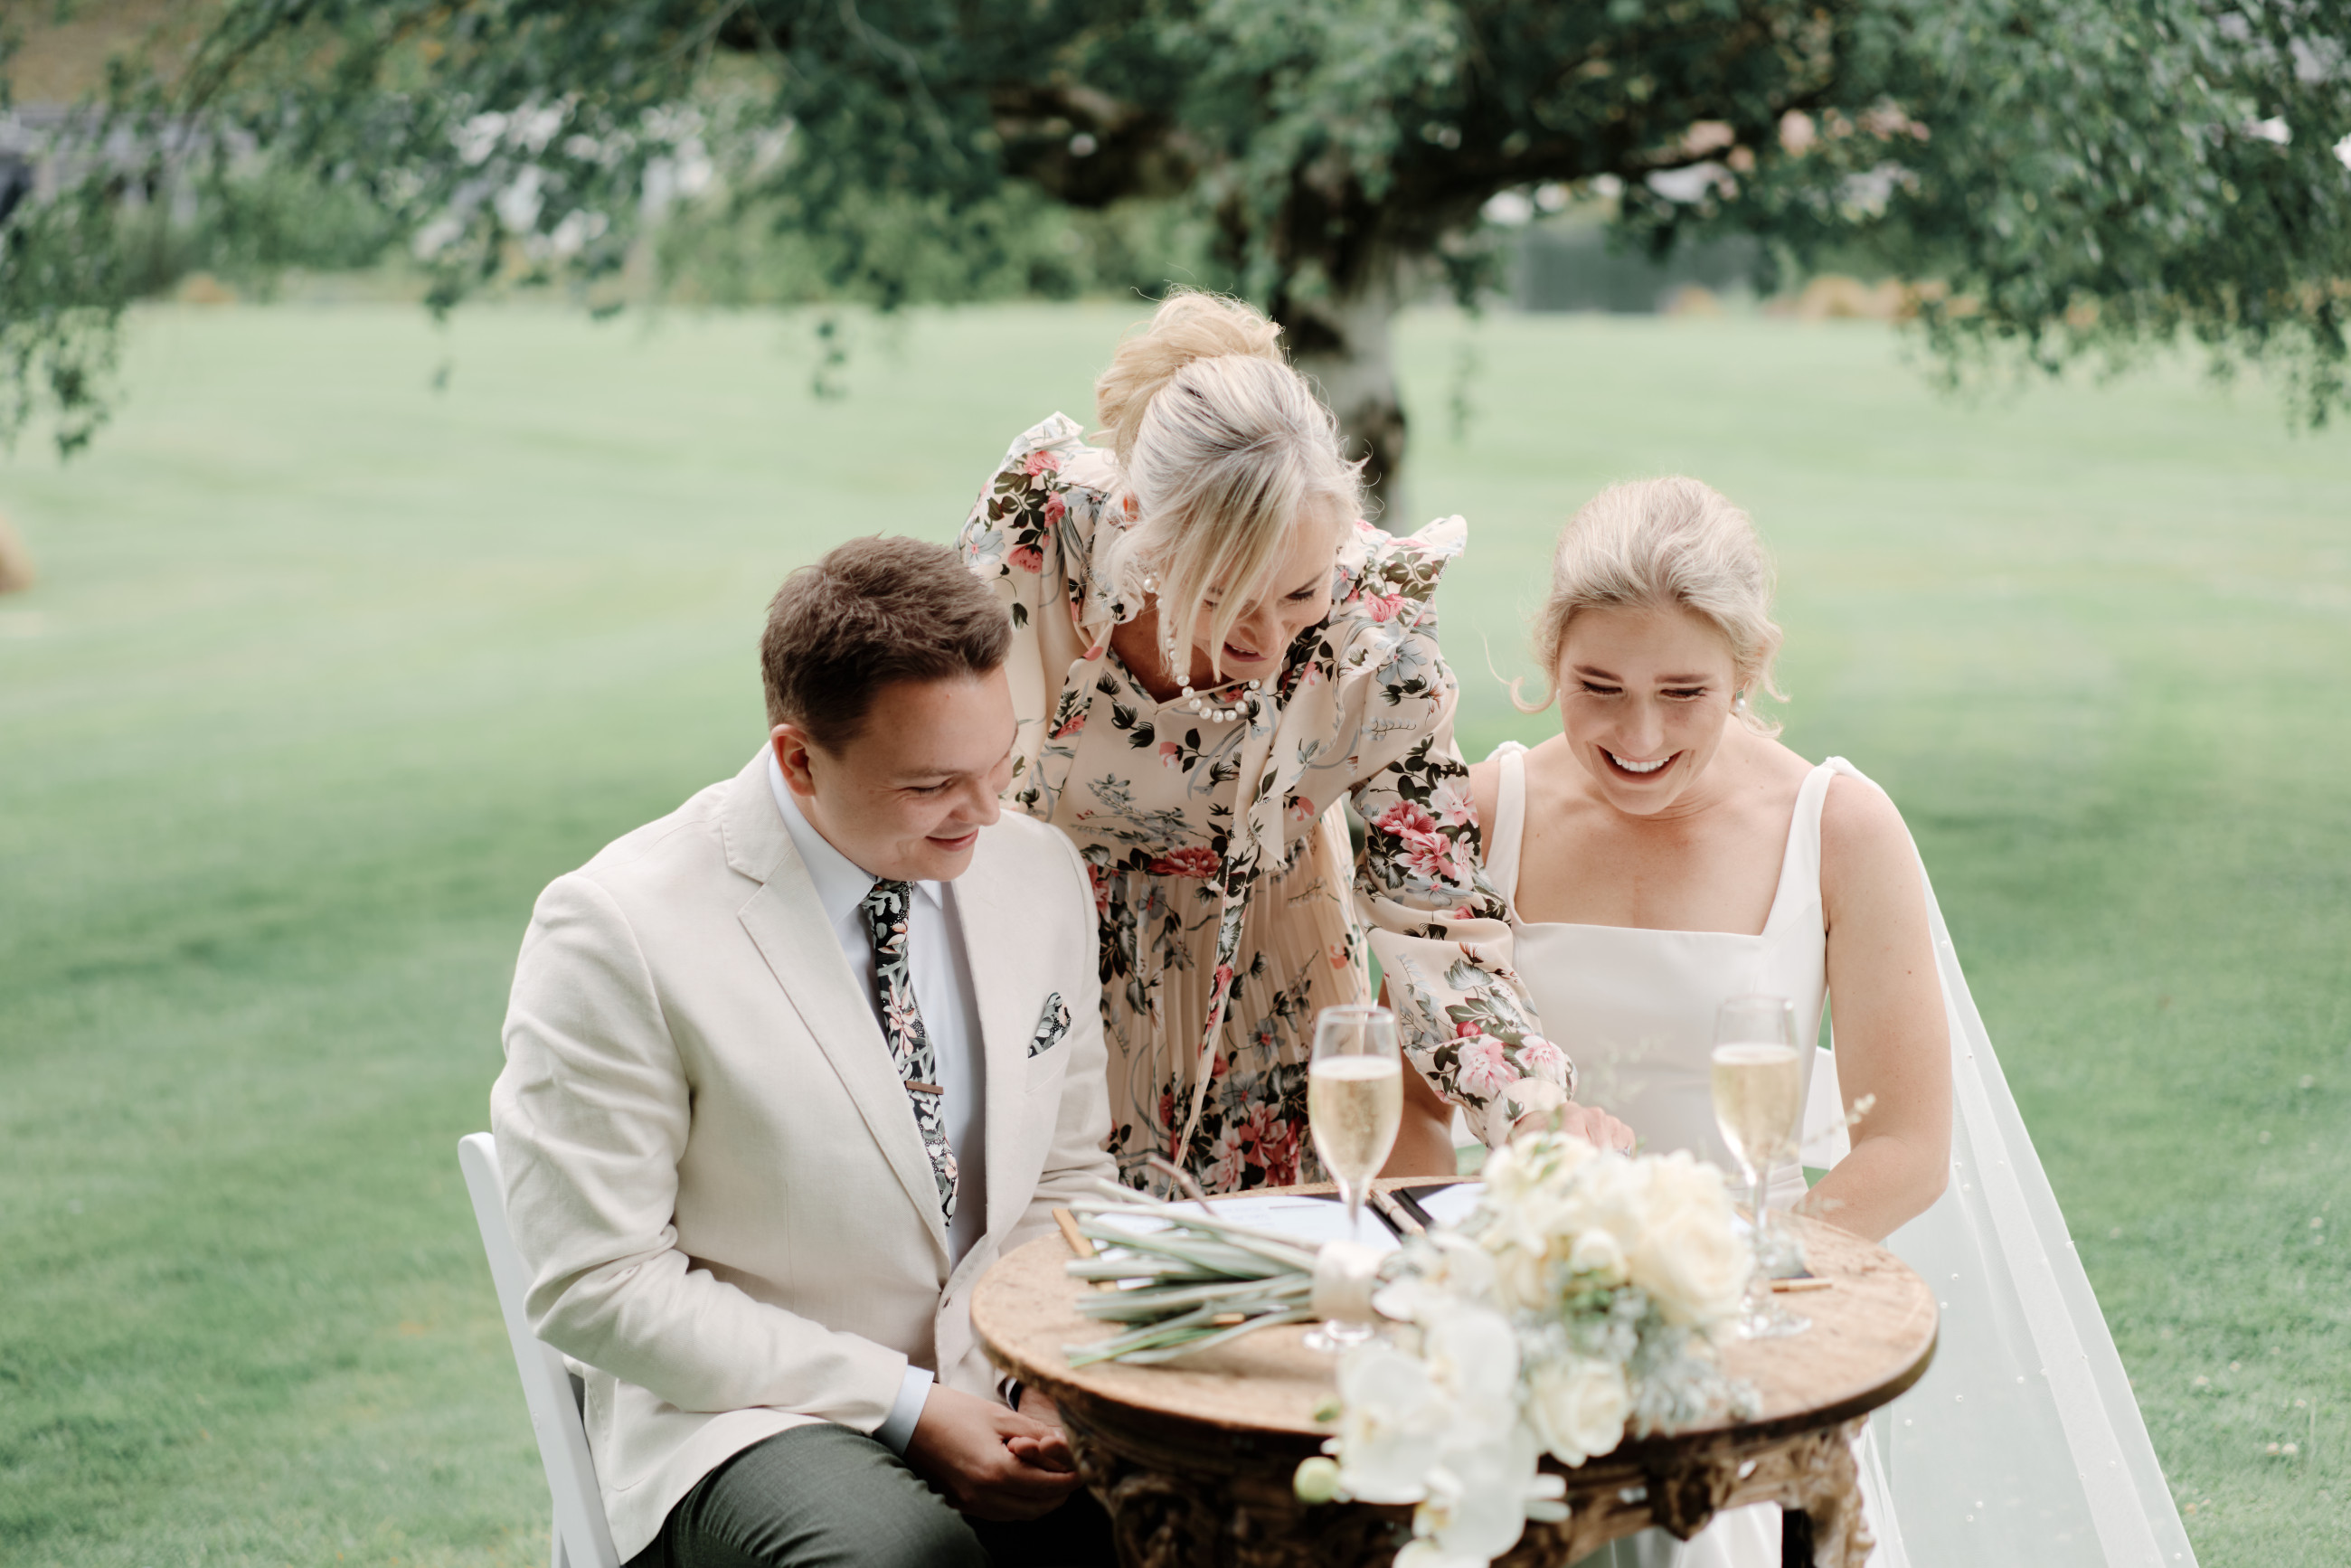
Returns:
(330, 671)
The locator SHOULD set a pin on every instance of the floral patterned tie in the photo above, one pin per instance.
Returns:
(887, 910)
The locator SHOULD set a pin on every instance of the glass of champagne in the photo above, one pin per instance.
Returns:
(1354, 1101)
(1758, 1088)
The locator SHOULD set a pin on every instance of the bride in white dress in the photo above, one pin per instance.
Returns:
(1662, 854)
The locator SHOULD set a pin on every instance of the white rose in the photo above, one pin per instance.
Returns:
(1528, 1165)
(1610, 1193)
(1519, 1279)
(1578, 1407)
(1509, 1174)
(1530, 1187)
(1687, 1254)
(1532, 1221)
(1598, 1252)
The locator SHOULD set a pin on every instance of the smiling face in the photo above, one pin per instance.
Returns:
(1644, 695)
(905, 797)
(1298, 595)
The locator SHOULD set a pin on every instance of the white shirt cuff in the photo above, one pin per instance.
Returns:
(897, 1428)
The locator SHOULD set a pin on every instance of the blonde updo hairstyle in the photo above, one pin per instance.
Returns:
(1221, 447)
(1659, 544)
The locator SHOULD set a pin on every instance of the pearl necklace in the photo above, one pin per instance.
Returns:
(1201, 707)
(1204, 707)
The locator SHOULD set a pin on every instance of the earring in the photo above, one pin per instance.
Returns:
(1739, 703)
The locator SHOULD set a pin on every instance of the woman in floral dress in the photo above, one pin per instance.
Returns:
(1202, 776)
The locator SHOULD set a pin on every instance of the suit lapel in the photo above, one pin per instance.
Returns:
(1007, 999)
(787, 923)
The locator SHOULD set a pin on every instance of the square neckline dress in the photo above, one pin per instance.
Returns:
(1635, 1005)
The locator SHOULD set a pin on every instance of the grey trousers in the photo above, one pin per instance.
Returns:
(821, 1496)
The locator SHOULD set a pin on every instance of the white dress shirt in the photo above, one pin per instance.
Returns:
(950, 1009)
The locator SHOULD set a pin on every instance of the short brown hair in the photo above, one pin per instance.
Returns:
(871, 611)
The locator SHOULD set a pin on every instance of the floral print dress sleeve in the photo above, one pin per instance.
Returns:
(1437, 927)
(1032, 535)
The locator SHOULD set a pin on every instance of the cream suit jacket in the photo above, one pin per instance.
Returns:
(712, 1169)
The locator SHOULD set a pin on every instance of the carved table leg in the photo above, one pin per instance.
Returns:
(1182, 1518)
(1826, 1484)
(1174, 1506)
(1685, 1500)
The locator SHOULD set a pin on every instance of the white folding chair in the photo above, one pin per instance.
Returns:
(583, 1537)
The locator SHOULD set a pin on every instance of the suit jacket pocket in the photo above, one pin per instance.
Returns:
(1052, 1026)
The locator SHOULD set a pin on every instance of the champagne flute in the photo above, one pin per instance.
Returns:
(1759, 1087)
(1355, 1102)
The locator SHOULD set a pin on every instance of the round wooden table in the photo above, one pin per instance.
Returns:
(1193, 1460)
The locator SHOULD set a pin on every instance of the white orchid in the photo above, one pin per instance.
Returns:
(1474, 1356)
(1485, 1488)
(1395, 1416)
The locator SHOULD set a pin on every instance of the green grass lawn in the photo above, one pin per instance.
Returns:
(331, 673)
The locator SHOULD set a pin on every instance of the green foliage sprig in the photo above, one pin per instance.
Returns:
(1208, 1281)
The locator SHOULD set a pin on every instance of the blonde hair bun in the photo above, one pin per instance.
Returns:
(1188, 326)
(1221, 447)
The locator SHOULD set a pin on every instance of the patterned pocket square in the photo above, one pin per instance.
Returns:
(1052, 1025)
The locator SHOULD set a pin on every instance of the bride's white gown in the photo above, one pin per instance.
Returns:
(2022, 1444)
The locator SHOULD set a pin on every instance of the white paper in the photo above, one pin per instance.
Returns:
(1453, 1205)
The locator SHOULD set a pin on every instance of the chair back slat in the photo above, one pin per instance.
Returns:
(583, 1535)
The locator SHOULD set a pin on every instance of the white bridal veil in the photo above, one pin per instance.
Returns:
(2024, 1444)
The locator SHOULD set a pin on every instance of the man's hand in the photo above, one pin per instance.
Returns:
(1051, 1453)
(1597, 1127)
(964, 1446)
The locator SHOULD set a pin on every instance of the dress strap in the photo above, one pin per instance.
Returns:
(1509, 824)
(1800, 866)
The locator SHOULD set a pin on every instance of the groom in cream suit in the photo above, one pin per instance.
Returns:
(786, 1072)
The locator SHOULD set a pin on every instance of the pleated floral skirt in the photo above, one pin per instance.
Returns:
(1243, 1100)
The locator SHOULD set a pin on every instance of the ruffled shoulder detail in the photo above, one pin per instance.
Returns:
(1383, 626)
(1044, 510)
(1057, 446)
(1390, 581)
(1056, 432)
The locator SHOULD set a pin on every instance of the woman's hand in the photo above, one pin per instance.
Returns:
(1593, 1125)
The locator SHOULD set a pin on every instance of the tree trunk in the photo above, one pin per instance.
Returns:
(1344, 341)
(16, 561)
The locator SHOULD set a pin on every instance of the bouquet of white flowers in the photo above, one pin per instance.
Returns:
(1577, 1302)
